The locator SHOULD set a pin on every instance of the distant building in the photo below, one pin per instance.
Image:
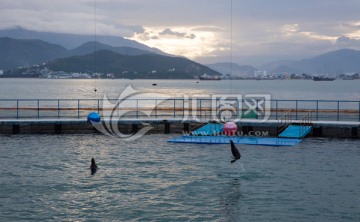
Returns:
(260, 73)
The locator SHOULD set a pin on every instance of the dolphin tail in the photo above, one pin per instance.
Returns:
(232, 161)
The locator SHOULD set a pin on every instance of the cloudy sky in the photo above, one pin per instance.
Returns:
(243, 31)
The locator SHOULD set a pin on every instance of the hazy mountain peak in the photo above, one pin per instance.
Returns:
(26, 52)
(334, 62)
(71, 41)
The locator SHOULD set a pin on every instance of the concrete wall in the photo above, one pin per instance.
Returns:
(269, 130)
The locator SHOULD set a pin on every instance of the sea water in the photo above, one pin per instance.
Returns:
(47, 177)
(84, 88)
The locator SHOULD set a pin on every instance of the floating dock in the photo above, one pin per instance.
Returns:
(212, 133)
(263, 141)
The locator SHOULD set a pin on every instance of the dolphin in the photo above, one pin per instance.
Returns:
(93, 166)
(235, 152)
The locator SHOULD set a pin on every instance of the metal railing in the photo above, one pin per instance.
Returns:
(305, 123)
(194, 108)
(283, 122)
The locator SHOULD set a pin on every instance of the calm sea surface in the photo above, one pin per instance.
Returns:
(79, 89)
(47, 177)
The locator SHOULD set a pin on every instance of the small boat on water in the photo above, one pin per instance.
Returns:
(208, 77)
(323, 79)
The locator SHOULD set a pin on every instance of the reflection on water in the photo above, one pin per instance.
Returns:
(233, 200)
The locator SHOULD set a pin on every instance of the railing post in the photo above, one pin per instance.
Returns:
(206, 106)
(338, 110)
(238, 115)
(78, 108)
(98, 105)
(58, 109)
(257, 109)
(17, 109)
(183, 107)
(200, 109)
(296, 109)
(155, 108)
(317, 110)
(217, 108)
(359, 111)
(137, 108)
(174, 107)
(38, 108)
(276, 107)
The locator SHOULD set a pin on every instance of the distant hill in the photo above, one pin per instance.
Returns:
(124, 62)
(27, 52)
(71, 41)
(146, 66)
(234, 69)
(90, 47)
(335, 62)
(271, 66)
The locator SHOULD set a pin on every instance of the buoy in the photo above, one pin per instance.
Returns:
(93, 117)
(230, 129)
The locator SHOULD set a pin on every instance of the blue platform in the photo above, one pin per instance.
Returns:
(264, 141)
(209, 129)
(295, 131)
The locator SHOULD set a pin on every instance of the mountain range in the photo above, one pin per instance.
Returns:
(20, 47)
(123, 62)
(71, 41)
(145, 66)
(335, 63)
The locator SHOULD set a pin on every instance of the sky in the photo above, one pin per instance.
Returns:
(247, 32)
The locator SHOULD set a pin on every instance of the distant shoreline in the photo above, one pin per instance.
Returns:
(236, 79)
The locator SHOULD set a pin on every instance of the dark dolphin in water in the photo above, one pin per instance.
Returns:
(235, 152)
(93, 166)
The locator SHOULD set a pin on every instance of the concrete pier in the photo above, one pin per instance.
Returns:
(246, 127)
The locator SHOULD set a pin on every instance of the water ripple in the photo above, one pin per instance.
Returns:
(47, 177)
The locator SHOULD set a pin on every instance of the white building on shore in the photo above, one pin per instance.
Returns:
(260, 73)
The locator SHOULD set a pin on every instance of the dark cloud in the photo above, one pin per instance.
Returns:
(259, 27)
(146, 36)
(168, 31)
